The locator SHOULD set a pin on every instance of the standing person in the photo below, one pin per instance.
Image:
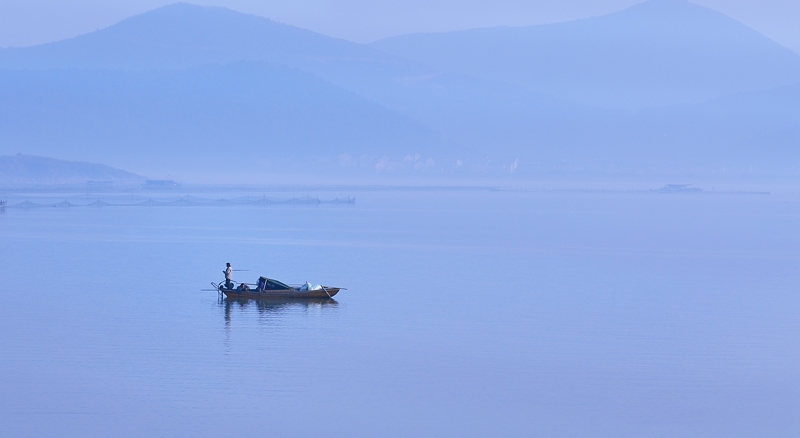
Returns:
(228, 276)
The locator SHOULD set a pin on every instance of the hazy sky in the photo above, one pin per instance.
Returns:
(28, 22)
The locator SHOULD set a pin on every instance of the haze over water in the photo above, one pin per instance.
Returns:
(467, 313)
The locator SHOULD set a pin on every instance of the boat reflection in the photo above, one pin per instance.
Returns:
(274, 306)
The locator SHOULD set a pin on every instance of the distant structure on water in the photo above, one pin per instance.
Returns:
(679, 188)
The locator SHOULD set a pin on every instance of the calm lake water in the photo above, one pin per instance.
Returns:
(467, 314)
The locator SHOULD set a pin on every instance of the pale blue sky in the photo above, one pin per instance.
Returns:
(28, 22)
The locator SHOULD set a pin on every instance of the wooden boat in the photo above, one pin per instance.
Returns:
(276, 289)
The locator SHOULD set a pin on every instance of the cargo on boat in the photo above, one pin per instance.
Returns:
(269, 288)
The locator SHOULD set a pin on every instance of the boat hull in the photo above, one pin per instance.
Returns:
(282, 293)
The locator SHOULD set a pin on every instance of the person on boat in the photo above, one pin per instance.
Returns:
(228, 276)
(262, 284)
(244, 287)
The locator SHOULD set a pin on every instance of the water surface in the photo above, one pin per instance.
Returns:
(467, 314)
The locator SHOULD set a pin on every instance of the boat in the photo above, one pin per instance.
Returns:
(269, 288)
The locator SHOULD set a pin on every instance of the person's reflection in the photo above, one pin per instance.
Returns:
(227, 305)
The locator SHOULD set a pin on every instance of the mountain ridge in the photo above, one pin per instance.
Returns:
(180, 35)
(258, 116)
(32, 169)
(656, 53)
(322, 103)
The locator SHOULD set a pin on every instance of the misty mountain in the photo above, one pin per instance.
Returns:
(242, 116)
(656, 53)
(756, 129)
(29, 169)
(472, 113)
(202, 89)
(183, 35)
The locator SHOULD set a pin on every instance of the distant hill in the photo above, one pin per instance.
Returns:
(656, 53)
(757, 129)
(210, 91)
(30, 169)
(232, 118)
(451, 116)
(185, 35)
(182, 35)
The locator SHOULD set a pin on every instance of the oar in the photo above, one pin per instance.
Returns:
(326, 291)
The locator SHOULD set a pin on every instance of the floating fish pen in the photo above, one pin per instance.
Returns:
(183, 201)
(679, 188)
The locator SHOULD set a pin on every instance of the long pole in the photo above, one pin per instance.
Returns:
(326, 291)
